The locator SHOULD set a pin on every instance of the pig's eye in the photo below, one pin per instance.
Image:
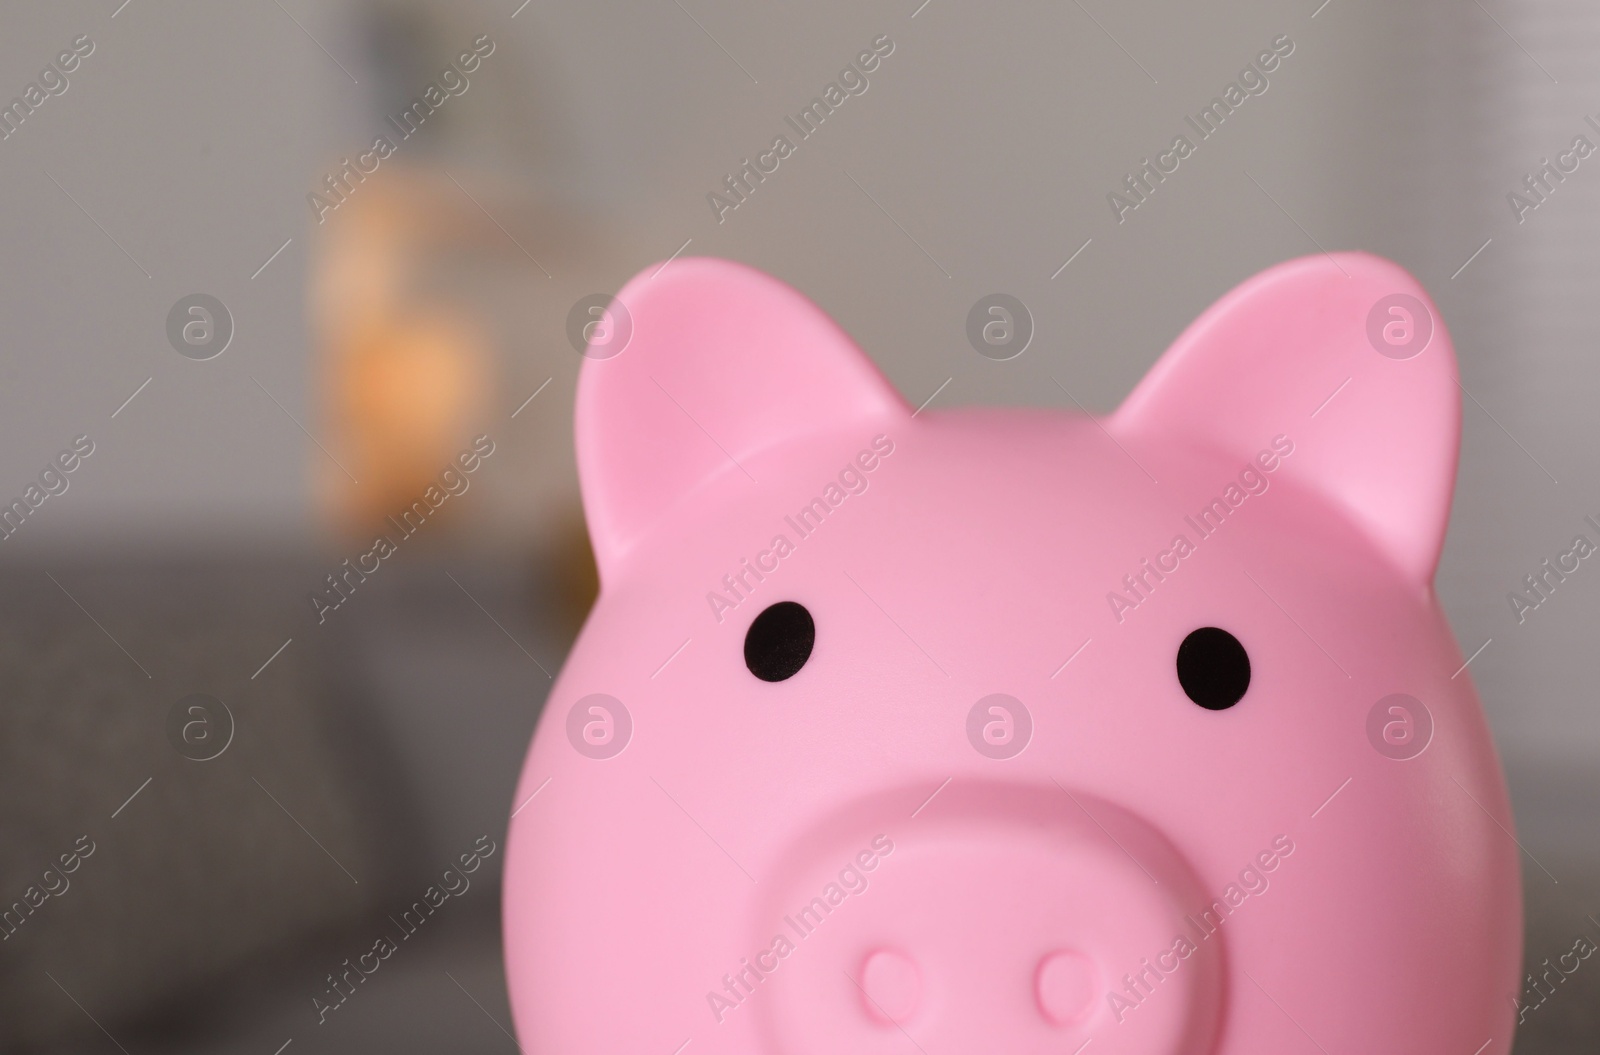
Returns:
(1213, 668)
(779, 642)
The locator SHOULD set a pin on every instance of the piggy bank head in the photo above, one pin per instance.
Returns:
(1015, 730)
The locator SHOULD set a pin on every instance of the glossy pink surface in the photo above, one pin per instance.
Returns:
(985, 816)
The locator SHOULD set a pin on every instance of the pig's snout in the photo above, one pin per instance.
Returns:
(1000, 919)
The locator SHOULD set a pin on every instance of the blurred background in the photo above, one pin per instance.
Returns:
(241, 333)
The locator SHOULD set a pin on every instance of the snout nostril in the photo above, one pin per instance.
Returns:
(891, 986)
(1065, 986)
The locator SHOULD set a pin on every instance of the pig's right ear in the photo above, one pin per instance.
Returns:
(1345, 359)
(721, 362)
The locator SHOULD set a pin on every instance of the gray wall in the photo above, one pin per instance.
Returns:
(991, 136)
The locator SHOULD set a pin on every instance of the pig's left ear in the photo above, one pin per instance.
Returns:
(1347, 358)
(722, 361)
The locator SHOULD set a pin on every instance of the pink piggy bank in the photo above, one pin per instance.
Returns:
(1014, 730)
